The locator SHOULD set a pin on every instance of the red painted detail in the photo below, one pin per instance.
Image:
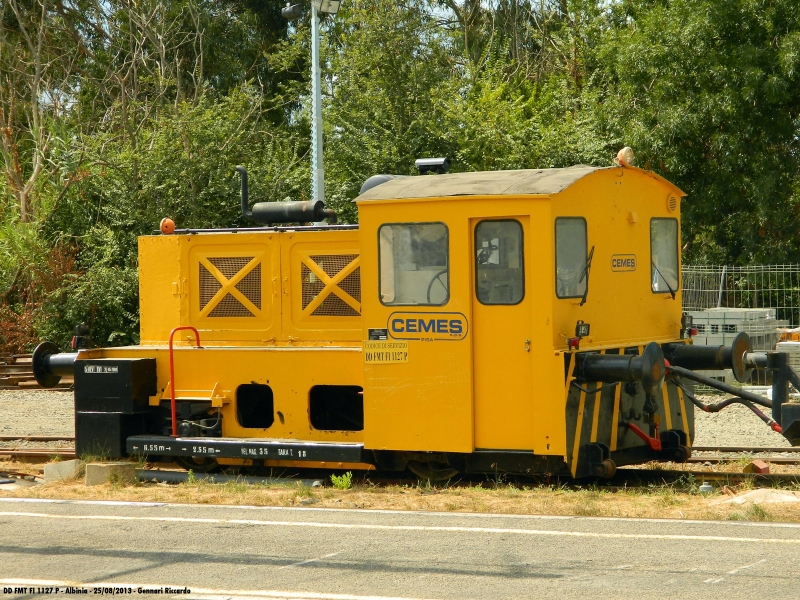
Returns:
(73, 342)
(172, 374)
(694, 331)
(654, 443)
(574, 342)
(776, 427)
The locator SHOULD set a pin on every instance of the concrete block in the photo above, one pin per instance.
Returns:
(100, 473)
(757, 466)
(61, 471)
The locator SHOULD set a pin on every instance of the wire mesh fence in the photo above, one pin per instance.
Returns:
(761, 286)
(763, 300)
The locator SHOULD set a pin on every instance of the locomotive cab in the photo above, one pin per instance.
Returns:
(475, 285)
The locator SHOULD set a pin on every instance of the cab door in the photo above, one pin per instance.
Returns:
(501, 319)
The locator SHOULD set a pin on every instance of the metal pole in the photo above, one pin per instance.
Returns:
(721, 286)
(317, 170)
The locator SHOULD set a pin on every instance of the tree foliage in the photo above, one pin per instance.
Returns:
(116, 114)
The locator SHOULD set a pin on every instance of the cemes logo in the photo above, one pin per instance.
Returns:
(427, 326)
(623, 262)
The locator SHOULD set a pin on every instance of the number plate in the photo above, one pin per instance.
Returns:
(384, 353)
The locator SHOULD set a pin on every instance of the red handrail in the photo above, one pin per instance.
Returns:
(172, 374)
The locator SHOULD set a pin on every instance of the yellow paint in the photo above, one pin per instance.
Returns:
(684, 417)
(279, 316)
(570, 375)
(596, 413)
(615, 418)
(665, 399)
(620, 306)
(198, 373)
(504, 411)
(308, 464)
(311, 464)
(170, 287)
(576, 445)
(239, 462)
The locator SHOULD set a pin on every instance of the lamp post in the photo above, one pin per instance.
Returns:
(292, 12)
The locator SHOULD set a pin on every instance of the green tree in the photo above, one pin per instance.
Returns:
(708, 94)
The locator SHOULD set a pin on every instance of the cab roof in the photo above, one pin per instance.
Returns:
(489, 183)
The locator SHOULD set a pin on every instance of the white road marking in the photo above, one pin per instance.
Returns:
(426, 528)
(735, 571)
(310, 560)
(374, 511)
(198, 593)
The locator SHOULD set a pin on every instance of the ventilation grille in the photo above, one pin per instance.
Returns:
(672, 203)
(332, 305)
(249, 286)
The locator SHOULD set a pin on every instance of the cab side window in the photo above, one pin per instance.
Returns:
(499, 274)
(571, 257)
(664, 255)
(414, 264)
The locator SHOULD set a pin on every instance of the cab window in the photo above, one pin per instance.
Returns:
(571, 257)
(499, 276)
(664, 255)
(414, 265)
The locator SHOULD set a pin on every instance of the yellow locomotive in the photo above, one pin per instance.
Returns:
(511, 321)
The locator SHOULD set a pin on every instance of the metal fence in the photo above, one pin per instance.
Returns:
(761, 286)
(772, 289)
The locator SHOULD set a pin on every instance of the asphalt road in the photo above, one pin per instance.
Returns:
(250, 552)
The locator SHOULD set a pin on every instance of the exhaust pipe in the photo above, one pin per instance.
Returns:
(50, 364)
(330, 214)
(243, 172)
(283, 212)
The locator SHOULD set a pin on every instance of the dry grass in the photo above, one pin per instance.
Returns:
(678, 501)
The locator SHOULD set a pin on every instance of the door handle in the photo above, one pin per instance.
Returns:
(527, 345)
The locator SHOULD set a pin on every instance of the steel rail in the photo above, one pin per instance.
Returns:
(776, 460)
(37, 438)
(39, 452)
(743, 449)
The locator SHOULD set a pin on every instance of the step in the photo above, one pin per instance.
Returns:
(252, 448)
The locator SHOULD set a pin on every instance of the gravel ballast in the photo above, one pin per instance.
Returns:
(37, 412)
(735, 425)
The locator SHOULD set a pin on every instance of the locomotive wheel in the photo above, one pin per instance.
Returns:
(197, 464)
(605, 469)
(683, 454)
(428, 472)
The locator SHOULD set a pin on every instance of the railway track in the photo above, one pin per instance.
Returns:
(37, 454)
(36, 438)
(717, 460)
(625, 478)
(743, 449)
(16, 372)
(43, 454)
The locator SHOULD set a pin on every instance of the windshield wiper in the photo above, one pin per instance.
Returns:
(669, 287)
(586, 275)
